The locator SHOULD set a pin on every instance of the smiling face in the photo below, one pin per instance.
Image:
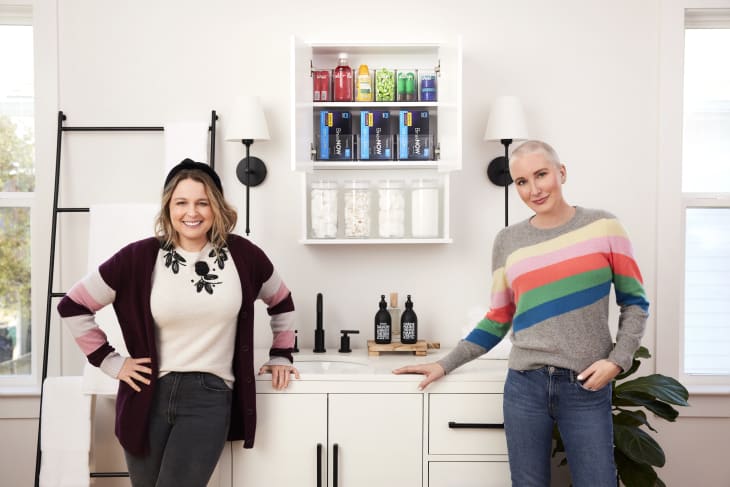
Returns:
(191, 214)
(539, 184)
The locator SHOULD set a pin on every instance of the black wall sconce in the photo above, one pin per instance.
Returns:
(506, 124)
(247, 124)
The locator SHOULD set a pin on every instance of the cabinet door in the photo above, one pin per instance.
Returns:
(378, 440)
(301, 105)
(288, 431)
(468, 474)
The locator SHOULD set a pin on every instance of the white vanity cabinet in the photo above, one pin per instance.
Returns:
(350, 422)
(377, 439)
(466, 441)
(346, 440)
(444, 59)
(290, 445)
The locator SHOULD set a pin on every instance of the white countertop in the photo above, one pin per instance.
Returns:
(358, 372)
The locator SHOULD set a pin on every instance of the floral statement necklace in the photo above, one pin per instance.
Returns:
(206, 280)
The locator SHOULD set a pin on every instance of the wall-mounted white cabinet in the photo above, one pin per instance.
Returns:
(359, 190)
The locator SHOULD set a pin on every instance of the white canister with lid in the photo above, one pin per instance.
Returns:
(391, 208)
(425, 208)
(323, 208)
(357, 208)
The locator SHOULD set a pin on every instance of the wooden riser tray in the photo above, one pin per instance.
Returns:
(419, 348)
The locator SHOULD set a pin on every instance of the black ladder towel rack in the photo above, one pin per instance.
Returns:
(56, 210)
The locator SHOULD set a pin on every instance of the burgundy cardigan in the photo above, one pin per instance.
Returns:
(129, 273)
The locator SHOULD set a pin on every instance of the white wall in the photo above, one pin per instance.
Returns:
(588, 90)
(587, 72)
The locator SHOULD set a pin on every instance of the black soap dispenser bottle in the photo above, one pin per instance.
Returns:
(408, 324)
(383, 324)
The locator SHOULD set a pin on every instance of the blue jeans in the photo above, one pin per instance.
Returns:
(188, 429)
(534, 400)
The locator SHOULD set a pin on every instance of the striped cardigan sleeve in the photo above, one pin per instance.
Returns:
(78, 312)
(280, 308)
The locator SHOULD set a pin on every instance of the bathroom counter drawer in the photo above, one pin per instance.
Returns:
(466, 424)
(468, 474)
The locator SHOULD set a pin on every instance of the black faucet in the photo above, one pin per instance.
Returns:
(345, 340)
(319, 331)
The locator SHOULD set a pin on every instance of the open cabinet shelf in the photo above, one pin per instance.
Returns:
(440, 146)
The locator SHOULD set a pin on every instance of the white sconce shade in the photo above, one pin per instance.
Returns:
(247, 124)
(506, 124)
(247, 120)
(506, 120)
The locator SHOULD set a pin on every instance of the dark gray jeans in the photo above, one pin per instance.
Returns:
(188, 429)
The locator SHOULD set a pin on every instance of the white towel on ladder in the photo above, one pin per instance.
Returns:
(185, 140)
(111, 227)
(65, 433)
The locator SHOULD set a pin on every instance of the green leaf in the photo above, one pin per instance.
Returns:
(629, 398)
(634, 474)
(663, 410)
(632, 418)
(642, 352)
(637, 445)
(660, 386)
(636, 399)
(634, 367)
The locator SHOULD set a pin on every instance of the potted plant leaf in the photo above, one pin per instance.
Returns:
(636, 452)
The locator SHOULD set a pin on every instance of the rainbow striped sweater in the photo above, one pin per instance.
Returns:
(551, 288)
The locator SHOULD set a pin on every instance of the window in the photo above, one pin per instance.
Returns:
(706, 200)
(707, 290)
(17, 183)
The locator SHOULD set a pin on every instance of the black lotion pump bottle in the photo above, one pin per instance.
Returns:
(383, 324)
(409, 324)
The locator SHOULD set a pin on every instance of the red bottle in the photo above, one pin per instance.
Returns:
(342, 89)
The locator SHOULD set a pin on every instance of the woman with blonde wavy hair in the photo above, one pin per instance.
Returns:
(185, 303)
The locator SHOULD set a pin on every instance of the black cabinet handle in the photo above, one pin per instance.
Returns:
(319, 464)
(455, 425)
(335, 472)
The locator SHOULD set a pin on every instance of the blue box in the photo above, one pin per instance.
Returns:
(376, 135)
(335, 135)
(414, 139)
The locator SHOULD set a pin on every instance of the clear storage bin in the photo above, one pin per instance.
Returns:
(425, 208)
(406, 80)
(323, 209)
(391, 208)
(384, 84)
(357, 208)
(427, 85)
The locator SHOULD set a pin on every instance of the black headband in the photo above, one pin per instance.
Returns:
(197, 166)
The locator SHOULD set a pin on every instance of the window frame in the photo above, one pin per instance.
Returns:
(698, 381)
(22, 15)
(711, 394)
(43, 16)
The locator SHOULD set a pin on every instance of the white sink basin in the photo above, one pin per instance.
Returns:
(331, 367)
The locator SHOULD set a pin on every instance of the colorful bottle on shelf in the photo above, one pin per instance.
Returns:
(364, 90)
(342, 89)
(408, 324)
(382, 323)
